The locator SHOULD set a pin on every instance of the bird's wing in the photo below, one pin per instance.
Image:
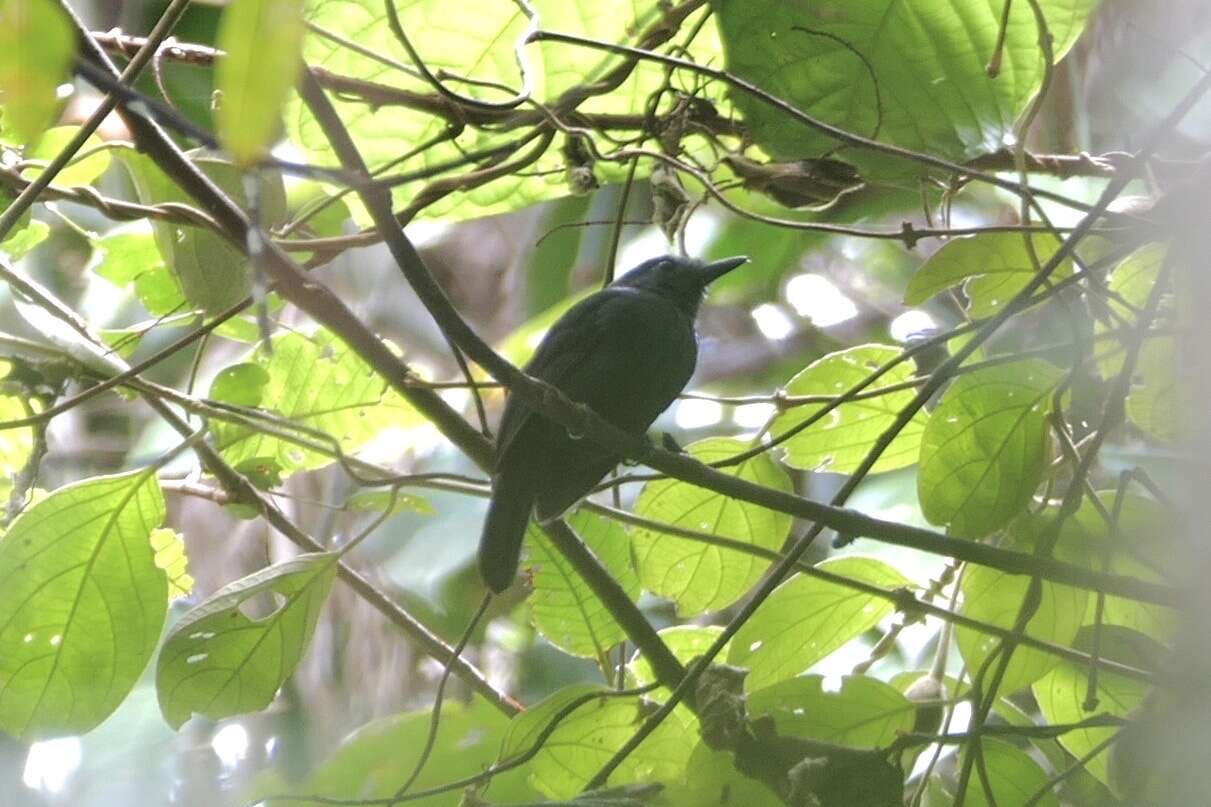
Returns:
(574, 338)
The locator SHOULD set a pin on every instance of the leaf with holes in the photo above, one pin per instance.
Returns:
(841, 439)
(36, 47)
(863, 713)
(905, 72)
(563, 607)
(219, 660)
(996, 266)
(807, 618)
(985, 448)
(314, 381)
(697, 576)
(82, 603)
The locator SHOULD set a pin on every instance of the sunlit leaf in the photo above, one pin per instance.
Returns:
(316, 382)
(985, 448)
(686, 642)
(996, 598)
(262, 41)
(89, 163)
(169, 546)
(1061, 695)
(1013, 777)
(15, 444)
(996, 266)
(806, 619)
(697, 576)
(378, 758)
(1152, 404)
(82, 603)
(563, 607)
(213, 274)
(863, 713)
(840, 441)
(36, 47)
(844, 62)
(219, 660)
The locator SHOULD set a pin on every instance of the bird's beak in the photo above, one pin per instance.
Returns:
(718, 269)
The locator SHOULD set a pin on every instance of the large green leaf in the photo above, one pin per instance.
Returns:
(907, 72)
(1131, 281)
(807, 618)
(840, 441)
(376, 760)
(36, 47)
(686, 642)
(697, 576)
(996, 266)
(864, 712)
(996, 598)
(82, 603)
(219, 660)
(88, 164)
(262, 43)
(985, 448)
(585, 739)
(563, 607)
(1013, 778)
(213, 274)
(1152, 404)
(315, 381)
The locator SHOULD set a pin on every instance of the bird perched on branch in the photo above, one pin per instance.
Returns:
(625, 352)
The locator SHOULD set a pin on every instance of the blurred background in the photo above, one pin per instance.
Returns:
(802, 296)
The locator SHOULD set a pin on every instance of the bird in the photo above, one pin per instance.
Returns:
(626, 352)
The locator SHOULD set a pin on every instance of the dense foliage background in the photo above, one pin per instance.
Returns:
(934, 521)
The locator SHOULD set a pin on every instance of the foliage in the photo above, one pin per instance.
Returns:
(226, 428)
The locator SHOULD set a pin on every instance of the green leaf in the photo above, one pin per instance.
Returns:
(926, 60)
(479, 43)
(839, 442)
(563, 607)
(807, 618)
(240, 385)
(121, 255)
(89, 163)
(996, 598)
(996, 266)
(1152, 403)
(82, 603)
(1012, 775)
(985, 450)
(697, 576)
(169, 546)
(686, 642)
(1061, 695)
(377, 501)
(15, 444)
(213, 274)
(21, 242)
(1132, 281)
(219, 661)
(36, 47)
(581, 743)
(319, 383)
(263, 45)
(711, 779)
(586, 738)
(863, 713)
(376, 760)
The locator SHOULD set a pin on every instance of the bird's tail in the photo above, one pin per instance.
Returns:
(504, 529)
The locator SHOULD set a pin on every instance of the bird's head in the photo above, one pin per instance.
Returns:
(682, 279)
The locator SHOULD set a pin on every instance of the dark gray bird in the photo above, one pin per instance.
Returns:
(626, 352)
